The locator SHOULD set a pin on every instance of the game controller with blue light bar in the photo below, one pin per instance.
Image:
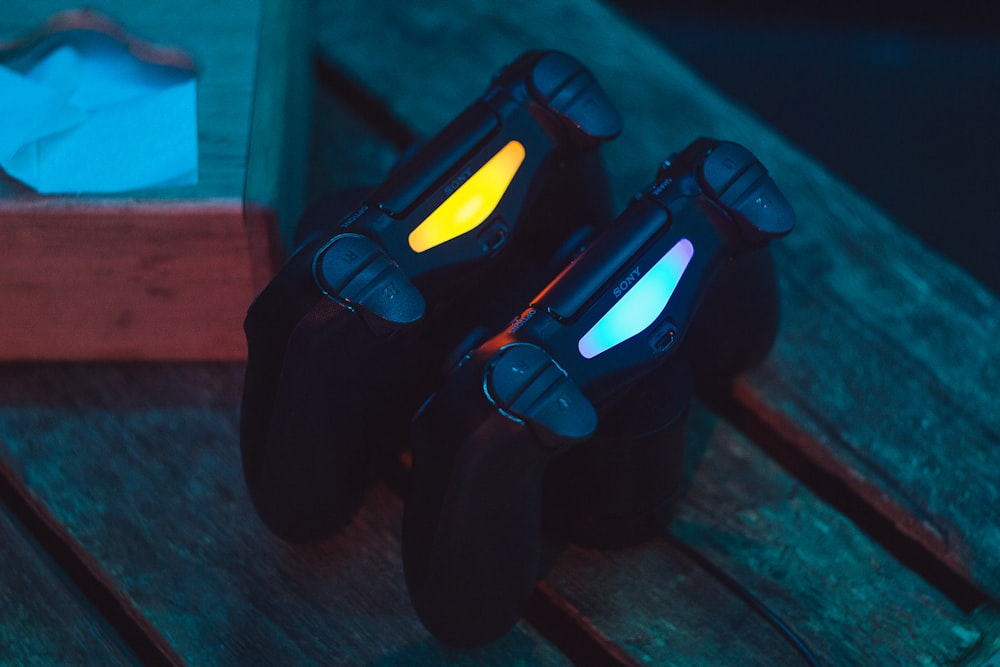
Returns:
(610, 329)
(350, 336)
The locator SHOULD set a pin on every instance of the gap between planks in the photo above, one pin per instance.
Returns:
(548, 611)
(86, 574)
(880, 523)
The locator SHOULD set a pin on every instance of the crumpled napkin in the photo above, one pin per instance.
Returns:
(80, 113)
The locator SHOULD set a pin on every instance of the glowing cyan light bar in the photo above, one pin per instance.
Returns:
(641, 304)
(473, 202)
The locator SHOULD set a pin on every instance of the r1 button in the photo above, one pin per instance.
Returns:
(526, 383)
(354, 270)
(738, 182)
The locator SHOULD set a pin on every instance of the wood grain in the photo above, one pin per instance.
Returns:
(140, 464)
(167, 273)
(124, 282)
(43, 618)
(886, 368)
(277, 169)
(853, 603)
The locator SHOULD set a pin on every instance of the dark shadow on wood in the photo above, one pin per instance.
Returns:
(838, 494)
(551, 614)
(366, 104)
(562, 624)
(147, 644)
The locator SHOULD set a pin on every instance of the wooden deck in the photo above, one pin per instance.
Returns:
(850, 482)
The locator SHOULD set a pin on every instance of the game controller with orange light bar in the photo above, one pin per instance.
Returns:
(612, 326)
(350, 336)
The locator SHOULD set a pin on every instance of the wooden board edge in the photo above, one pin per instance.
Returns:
(753, 413)
(264, 244)
(82, 568)
(50, 310)
(280, 127)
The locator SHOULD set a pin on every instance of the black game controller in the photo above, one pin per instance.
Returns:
(350, 336)
(557, 408)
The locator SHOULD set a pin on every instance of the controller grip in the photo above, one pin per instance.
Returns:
(620, 487)
(472, 523)
(737, 322)
(306, 475)
(306, 385)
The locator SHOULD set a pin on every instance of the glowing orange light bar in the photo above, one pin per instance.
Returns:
(473, 202)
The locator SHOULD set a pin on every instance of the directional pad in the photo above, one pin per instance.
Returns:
(353, 269)
(524, 381)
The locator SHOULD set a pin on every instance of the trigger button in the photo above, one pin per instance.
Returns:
(734, 178)
(353, 269)
(568, 88)
(723, 166)
(762, 211)
(525, 382)
(340, 260)
(563, 409)
(512, 372)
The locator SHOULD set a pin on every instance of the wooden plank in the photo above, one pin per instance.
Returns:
(343, 602)
(347, 150)
(277, 164)
(43, 618)
(165, 273)
(124, 282)
(887, 361)
(853, 603)
(897, 398)
(140, 465)
(165, 434)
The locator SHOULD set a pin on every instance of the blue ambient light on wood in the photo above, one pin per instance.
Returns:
(641, 304)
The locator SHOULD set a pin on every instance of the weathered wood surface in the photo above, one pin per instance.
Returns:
(44, 620)
(140, 465)
(277, 169)
(166, 273)
(853, 603)
(346, 150)
(124, 281)
(860, 607)
(888, 359)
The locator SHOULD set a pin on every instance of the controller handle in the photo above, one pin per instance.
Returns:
(490, 465)
(472, 523)
(372, 290)
(606, 334)
(620, 487)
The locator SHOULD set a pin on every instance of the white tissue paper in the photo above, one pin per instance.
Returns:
(80, 113)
